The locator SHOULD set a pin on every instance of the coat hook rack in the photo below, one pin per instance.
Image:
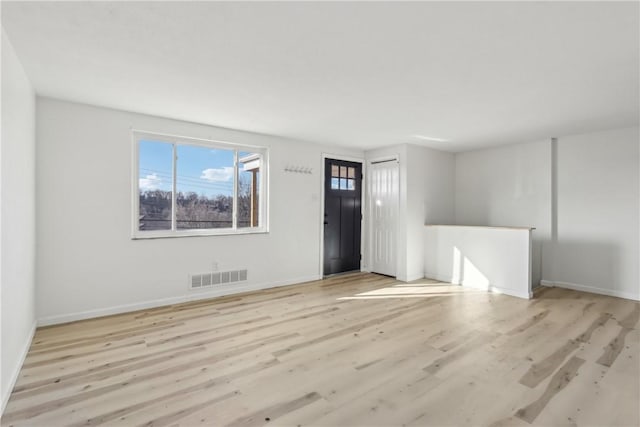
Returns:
(298, 169)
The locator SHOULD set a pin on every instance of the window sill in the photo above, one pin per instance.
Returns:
(142, 235)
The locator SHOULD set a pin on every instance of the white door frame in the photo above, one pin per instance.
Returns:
(360, 160)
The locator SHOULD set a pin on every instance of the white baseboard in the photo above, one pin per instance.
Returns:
(490, 288)
(191, 296)
(16, 370)
(412, 277)
(510, 292)
(440, 277)
(591, 289)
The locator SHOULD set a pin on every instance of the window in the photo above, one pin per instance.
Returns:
(187, 187)
(343, 178)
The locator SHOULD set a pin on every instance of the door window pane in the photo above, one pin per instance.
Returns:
(342, 177)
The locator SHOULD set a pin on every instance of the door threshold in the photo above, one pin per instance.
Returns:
(385, 275)
(342, 273)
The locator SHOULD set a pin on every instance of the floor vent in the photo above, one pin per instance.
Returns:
(207, 280)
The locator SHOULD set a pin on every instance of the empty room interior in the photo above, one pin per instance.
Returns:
(320, 213)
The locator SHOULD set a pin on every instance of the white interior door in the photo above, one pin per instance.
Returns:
(384, 199)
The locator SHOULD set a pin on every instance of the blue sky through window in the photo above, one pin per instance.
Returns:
(202, 170)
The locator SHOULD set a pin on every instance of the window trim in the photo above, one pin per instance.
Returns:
(175, 140)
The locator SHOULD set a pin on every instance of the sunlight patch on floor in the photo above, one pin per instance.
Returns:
(417, 289)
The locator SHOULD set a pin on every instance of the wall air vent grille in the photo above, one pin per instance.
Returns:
(208, 280)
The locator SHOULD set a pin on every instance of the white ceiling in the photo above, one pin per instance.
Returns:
(355, 74)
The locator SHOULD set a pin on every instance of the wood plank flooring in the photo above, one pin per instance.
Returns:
(353, 350)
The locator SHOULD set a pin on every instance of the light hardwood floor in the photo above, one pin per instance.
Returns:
(352, 350)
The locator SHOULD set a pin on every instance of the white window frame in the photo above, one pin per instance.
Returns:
(138, 135)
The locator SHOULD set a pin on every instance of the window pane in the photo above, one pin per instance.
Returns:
(249, 189)
(343, 183)
(335, 184)
(343, 172)
(204, 186)
(352, 173)
(155, 168)
(350, 184)
(335, 171)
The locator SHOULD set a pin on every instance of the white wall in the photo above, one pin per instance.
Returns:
(17, 217)
(87, 264)
(598, 213)
(426, 197)
(593, 205)
(430, 200)
(507, 186)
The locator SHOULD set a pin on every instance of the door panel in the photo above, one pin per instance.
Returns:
(347, 228)
(332, 228)
(384, 199)
(342, 216)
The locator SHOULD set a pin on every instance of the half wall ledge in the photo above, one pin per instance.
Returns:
(496, 259)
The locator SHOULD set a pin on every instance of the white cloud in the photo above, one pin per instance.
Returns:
(217, 175)
(150, 182)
